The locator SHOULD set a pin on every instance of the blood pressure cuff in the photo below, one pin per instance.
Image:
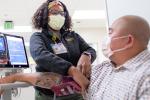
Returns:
(60, 85)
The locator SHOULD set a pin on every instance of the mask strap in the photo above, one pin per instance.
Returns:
(119, 50)
(121, 37)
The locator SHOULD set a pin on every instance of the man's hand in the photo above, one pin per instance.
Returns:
(79, 78)
(84, 65)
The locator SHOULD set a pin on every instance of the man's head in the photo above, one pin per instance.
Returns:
(129, 36)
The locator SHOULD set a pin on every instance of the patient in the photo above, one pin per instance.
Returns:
(126, 76)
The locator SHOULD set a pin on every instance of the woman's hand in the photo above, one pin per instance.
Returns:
(79, 78)
(84, 65)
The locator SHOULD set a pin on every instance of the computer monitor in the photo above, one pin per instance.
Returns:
(13, 49)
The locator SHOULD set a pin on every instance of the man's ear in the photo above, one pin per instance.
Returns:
(130, 41)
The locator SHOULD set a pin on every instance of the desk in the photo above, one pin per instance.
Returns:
(7, 87)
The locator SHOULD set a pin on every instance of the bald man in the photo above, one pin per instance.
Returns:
(126, 75)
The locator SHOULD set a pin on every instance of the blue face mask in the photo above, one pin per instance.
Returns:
(106, 49)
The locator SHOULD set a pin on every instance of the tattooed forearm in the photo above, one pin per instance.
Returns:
(47, 80)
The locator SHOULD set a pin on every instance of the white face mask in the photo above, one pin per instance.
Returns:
(106, 49)
(56, 21)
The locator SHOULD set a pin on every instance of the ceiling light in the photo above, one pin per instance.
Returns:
(89, 14)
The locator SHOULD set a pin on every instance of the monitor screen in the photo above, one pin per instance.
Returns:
(2, 46)
(16, 52)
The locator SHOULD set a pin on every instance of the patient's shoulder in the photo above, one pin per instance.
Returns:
(104, 64)
(96, 70)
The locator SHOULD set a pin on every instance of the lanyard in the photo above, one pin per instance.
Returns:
(54, 38)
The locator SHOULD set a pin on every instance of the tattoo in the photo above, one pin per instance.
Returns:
(48, 79)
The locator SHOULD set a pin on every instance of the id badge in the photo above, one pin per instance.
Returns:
(59, 48)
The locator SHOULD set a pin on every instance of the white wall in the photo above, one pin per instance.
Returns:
(118, 8)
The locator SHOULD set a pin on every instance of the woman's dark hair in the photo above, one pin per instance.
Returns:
(40, 18)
